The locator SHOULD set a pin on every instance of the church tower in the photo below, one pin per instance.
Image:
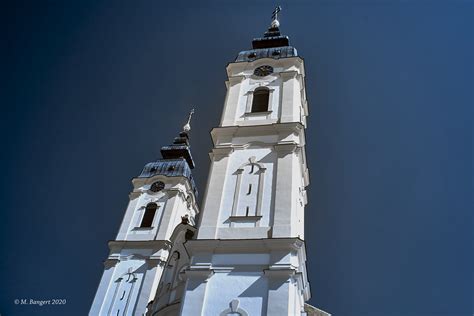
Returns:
(148, 248)
(249, 254)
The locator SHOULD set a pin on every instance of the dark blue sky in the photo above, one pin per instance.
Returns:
(92, 89)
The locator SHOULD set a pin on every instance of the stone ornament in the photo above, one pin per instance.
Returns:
(234, 309)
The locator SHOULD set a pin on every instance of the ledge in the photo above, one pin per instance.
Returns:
(143, 228)
(228, 245)
(244, 218)
(257, 113)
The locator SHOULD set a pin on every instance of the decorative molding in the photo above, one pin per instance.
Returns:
(258, 113)
(139, 244)
(109, 263)
(279, 272)
(234, 309)
(134, 194)
(238, 137)
(240, 67)
(235, 79)
(134, 256)
(285, 75)
(285, 148)
(196, 246)
(204, 272)
(154, 262)
(245, 218)
(237, 191)
(297, 244)
(220, 152)
(143, 228)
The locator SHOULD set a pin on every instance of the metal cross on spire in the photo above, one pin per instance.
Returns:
(275, 22)
(187, 126)
(275, 12)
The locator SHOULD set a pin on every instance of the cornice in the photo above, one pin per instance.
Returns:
(239, 67)
(283, 272)
(286, 148)
(289, 74)
(238, 246)
(140, 244)
(109, 263)
(218, 153)
(199, 271)
(138, 183)
(255, 130)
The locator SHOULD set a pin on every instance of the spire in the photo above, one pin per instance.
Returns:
(180, 147)
(272, 37)
(187, 126)
(176, 158)
(275, 22)
(271, 45)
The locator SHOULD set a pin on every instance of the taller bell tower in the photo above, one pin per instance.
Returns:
(249, 255)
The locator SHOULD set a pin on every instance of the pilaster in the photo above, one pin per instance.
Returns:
(164, 229)
(105, 281)
(231, 103)
(125, 225)
(195, 296)
(213, 197)
(288, 97)
(149, 284)
(284, 191)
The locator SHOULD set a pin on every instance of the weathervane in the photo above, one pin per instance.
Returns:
(275, 22)
(187, 126)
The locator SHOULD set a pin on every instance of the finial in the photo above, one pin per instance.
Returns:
(275, 22)
(187, 126)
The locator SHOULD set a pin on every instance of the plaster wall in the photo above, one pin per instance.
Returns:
(174, 201)
(287, 100)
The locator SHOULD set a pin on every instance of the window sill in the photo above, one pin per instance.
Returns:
(244, 218)
(258, 113)
(143, 228)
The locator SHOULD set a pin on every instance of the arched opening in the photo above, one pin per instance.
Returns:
(149, 215)
(260, 100)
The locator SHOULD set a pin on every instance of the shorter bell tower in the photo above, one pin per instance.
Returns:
(159, 218)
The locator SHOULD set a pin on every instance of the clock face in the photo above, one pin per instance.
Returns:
(157, 186)
(263, 71)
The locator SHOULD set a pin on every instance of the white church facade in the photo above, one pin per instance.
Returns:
(242, 252)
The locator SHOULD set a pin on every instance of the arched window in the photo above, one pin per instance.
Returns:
(260, 100)
(149, 215)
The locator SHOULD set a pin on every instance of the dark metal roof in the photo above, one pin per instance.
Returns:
(271, 45)
(177, 161)
(179, 149)
(170, 168)
(275, 53)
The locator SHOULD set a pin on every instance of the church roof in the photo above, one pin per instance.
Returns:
(176, 161)
(271, 45)
(179, 149)
(171, 168)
